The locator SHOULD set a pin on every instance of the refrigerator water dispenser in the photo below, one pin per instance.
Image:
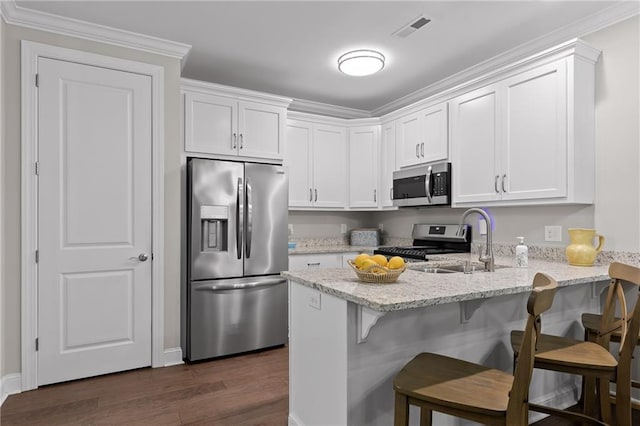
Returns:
(213, 227)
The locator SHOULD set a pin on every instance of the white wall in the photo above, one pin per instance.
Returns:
(310, 224)
(12, 36)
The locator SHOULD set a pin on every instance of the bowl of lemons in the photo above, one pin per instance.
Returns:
(377, 268)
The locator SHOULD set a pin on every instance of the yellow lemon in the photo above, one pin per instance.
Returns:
(367, 263)
(379, 259)
(360, 259)
(395, 262)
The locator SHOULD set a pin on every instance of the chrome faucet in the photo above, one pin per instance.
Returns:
(487, 259)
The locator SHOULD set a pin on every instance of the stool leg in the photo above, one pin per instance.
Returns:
(589, 395)
(605, 403)
(425, 416)
(623, 400)
(401, 410)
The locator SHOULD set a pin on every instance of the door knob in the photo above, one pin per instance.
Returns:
(142, 257)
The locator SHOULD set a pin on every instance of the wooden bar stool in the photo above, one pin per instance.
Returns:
(471, 391)
(592, 360)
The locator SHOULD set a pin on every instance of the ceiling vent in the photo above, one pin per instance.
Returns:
(411, 27)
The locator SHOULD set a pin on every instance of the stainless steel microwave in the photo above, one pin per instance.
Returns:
(425, 185)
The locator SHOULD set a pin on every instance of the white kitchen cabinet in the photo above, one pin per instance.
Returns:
(423, 135)
(300, 262)
(363, 166)
(316, 156)
(527, 138)
(224, 125)
(387, 163)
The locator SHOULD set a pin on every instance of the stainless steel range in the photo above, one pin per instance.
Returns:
(429, 240)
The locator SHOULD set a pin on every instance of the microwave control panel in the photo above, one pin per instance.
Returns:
(440, 184)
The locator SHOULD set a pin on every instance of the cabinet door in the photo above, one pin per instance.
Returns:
(298, 160)
(474, 135)
(387, 164)
(300, 262)
(210, 124)
(363, 166)
(261, 129)
(409, 140)
(329, 166)
(534, 148)
(434, 141)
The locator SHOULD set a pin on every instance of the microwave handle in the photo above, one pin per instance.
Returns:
(427, 184)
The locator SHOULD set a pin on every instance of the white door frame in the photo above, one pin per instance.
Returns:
(29, 194)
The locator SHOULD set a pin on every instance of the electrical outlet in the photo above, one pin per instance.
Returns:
(290, 229)
(553, 233)
(381, 227)
(343, 228)
(314, 300)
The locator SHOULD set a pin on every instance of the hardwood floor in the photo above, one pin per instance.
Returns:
(245, 390)
(248, 390)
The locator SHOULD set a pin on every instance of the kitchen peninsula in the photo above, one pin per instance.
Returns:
(348, 339)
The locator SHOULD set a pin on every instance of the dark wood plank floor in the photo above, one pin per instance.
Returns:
(245, 390)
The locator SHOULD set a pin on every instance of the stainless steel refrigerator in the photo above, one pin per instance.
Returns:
(236, 300)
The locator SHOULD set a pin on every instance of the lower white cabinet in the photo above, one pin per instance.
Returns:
(300, 262)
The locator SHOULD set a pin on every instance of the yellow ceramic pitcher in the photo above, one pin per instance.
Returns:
(581, 251)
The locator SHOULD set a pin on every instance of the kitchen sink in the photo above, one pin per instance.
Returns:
(449, 269)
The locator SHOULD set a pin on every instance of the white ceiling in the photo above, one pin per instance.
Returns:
(290, 48)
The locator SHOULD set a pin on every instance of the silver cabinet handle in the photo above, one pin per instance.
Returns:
(391, 193)
(427, 183)
(239, 219)
(375, 199)
(142, 257)
(310, 195)
(504, 177)
(495, 184)
(235, 141)
(241, 141)
(309, 265)
(249, 205)
(316, 192)
(417, 150)
(422, 149)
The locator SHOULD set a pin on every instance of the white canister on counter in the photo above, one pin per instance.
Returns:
(522, 254)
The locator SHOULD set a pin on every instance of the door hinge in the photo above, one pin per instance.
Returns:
(37, 344)
(37, 167)
(37, 256)
(37, 80)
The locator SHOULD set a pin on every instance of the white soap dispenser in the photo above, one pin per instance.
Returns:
(522, 254)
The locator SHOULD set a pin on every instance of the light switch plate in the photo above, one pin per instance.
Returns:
(553, 233)
(290, 229)
(343, 228)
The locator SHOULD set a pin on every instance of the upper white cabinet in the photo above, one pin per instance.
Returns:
(229, 122)
(387, 163)
(363, 166)
(316, 155)
(528, 137)
(423, 135)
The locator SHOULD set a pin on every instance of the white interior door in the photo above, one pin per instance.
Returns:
(94, 221)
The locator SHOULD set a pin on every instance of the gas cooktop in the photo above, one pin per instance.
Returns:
(431, 240)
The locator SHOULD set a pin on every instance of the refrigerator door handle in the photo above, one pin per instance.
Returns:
(249, 218)
(239, 219)
(241, 286)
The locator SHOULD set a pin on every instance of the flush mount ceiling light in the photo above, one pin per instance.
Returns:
(361, 62)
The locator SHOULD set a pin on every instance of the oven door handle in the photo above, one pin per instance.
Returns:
(427, 184)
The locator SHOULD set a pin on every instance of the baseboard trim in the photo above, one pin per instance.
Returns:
(293, 421)
(173, 356)
(562, 398)
(10, 385)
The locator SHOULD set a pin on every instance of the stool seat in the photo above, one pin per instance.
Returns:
(570, 354)
(454, 383)
(591, 324)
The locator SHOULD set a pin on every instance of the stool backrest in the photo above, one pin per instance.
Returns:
(620, 272)
(540, 300)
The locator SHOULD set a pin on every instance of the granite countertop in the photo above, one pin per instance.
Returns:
(416, 289)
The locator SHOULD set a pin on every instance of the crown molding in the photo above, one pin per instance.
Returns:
(320, 108)
(20, 16)
(588, 25)
(235, 92)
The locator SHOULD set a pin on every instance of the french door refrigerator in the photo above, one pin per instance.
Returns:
(236, 300)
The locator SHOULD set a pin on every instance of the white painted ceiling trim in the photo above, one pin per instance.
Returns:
(16, 15)
(327, 109)
(234, 92)
(588, 25)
